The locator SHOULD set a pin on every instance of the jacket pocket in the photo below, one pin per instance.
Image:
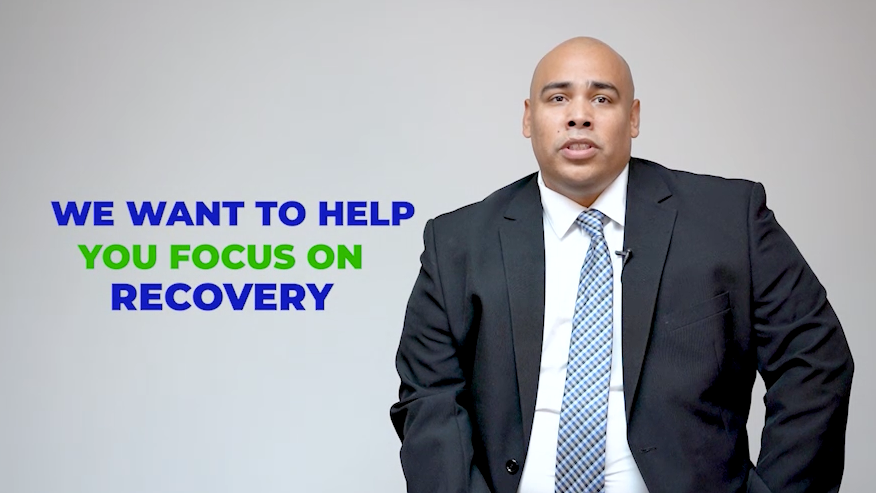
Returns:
(680, 319)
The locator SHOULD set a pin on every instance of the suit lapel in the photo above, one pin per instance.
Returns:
(522, 241)
(647, 234)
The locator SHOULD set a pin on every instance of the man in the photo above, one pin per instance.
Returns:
(597, 326)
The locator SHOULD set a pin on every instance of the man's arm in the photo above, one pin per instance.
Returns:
(434, 427)
(804, 360)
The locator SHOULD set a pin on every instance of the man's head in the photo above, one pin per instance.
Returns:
(581, 116)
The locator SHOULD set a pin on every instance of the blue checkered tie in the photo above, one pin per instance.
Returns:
(581, 439)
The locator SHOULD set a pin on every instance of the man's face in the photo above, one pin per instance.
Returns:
(581, 117)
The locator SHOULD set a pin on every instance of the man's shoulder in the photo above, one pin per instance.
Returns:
(490, 208)
(683, 179)
(689, 186)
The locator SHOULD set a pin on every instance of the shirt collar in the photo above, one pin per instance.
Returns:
(561, 211)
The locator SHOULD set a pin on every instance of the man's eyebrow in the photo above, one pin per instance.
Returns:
(555, 85)
(608, 86)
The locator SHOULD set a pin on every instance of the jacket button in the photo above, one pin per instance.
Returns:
(512, 466)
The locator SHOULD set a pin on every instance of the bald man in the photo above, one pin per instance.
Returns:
(597, 326)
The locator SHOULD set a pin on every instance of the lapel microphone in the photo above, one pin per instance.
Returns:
(626, 253)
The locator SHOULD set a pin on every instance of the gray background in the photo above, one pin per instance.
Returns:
(394, 100)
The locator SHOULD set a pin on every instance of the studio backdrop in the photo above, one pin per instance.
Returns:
(211, 212)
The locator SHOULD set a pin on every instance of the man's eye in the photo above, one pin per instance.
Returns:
(557, 98)
(601, 99)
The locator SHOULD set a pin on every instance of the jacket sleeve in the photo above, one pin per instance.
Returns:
(804, 360)
(433, 424)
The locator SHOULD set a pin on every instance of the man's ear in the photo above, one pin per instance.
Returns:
(634, 119)
(527, 119)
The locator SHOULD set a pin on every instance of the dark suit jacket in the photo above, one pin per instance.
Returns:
(714, 291)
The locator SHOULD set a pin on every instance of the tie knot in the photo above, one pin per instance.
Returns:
(591, 221)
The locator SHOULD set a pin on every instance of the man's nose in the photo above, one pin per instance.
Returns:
(582, 123)
(579, 116)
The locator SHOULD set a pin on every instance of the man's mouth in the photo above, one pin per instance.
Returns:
(578, 147)
(578, 150)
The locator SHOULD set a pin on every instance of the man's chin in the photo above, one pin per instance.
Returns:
(579, 175)
(580, 186)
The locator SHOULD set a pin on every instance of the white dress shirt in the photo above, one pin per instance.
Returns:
(565, 247)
